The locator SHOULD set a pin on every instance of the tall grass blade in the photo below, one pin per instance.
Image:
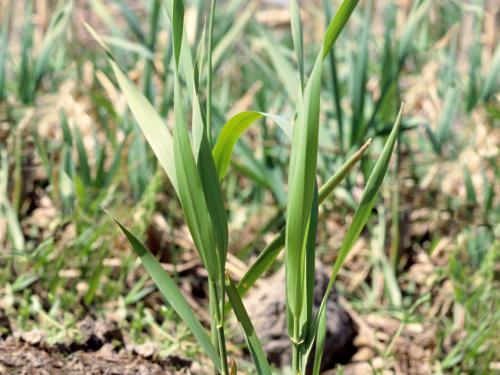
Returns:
(172, 294)
(337, 24)
(271, 252)
(298, 39)
(191, 192)
(360, 218)
(152, 126)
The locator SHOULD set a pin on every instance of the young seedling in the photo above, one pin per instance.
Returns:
(197, 171)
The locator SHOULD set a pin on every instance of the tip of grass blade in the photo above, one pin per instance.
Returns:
(97, 38)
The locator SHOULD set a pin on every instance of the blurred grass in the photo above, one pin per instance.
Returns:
(68, 144)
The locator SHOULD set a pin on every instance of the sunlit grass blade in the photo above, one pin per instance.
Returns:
(301, 180)
(359, 220)
(320, 342)
(267, 257)
(172, 294)
(337, 24)
(214, 199)
(152, 126)
(154, 129)
(191, 192)
(310, 267)
(253, 342)
(232, 131)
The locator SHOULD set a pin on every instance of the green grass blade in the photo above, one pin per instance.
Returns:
(368, 199)
(301, 180)
(310, 269)
(177, 28)
(320, 341)
(214, 199)
(172, 294)
(271, 252)
(337, 24)
(151, 124)
(233, 129)
(361, 215)
(191, 192)
(253, 342)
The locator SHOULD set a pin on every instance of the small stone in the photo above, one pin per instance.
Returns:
(146, 350)
(33, 337)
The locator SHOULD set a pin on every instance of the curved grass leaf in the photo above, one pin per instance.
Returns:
(253, 342)
(232, 131)
(151, 124)
(171, 293)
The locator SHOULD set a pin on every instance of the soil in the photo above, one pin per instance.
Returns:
(22, 358)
